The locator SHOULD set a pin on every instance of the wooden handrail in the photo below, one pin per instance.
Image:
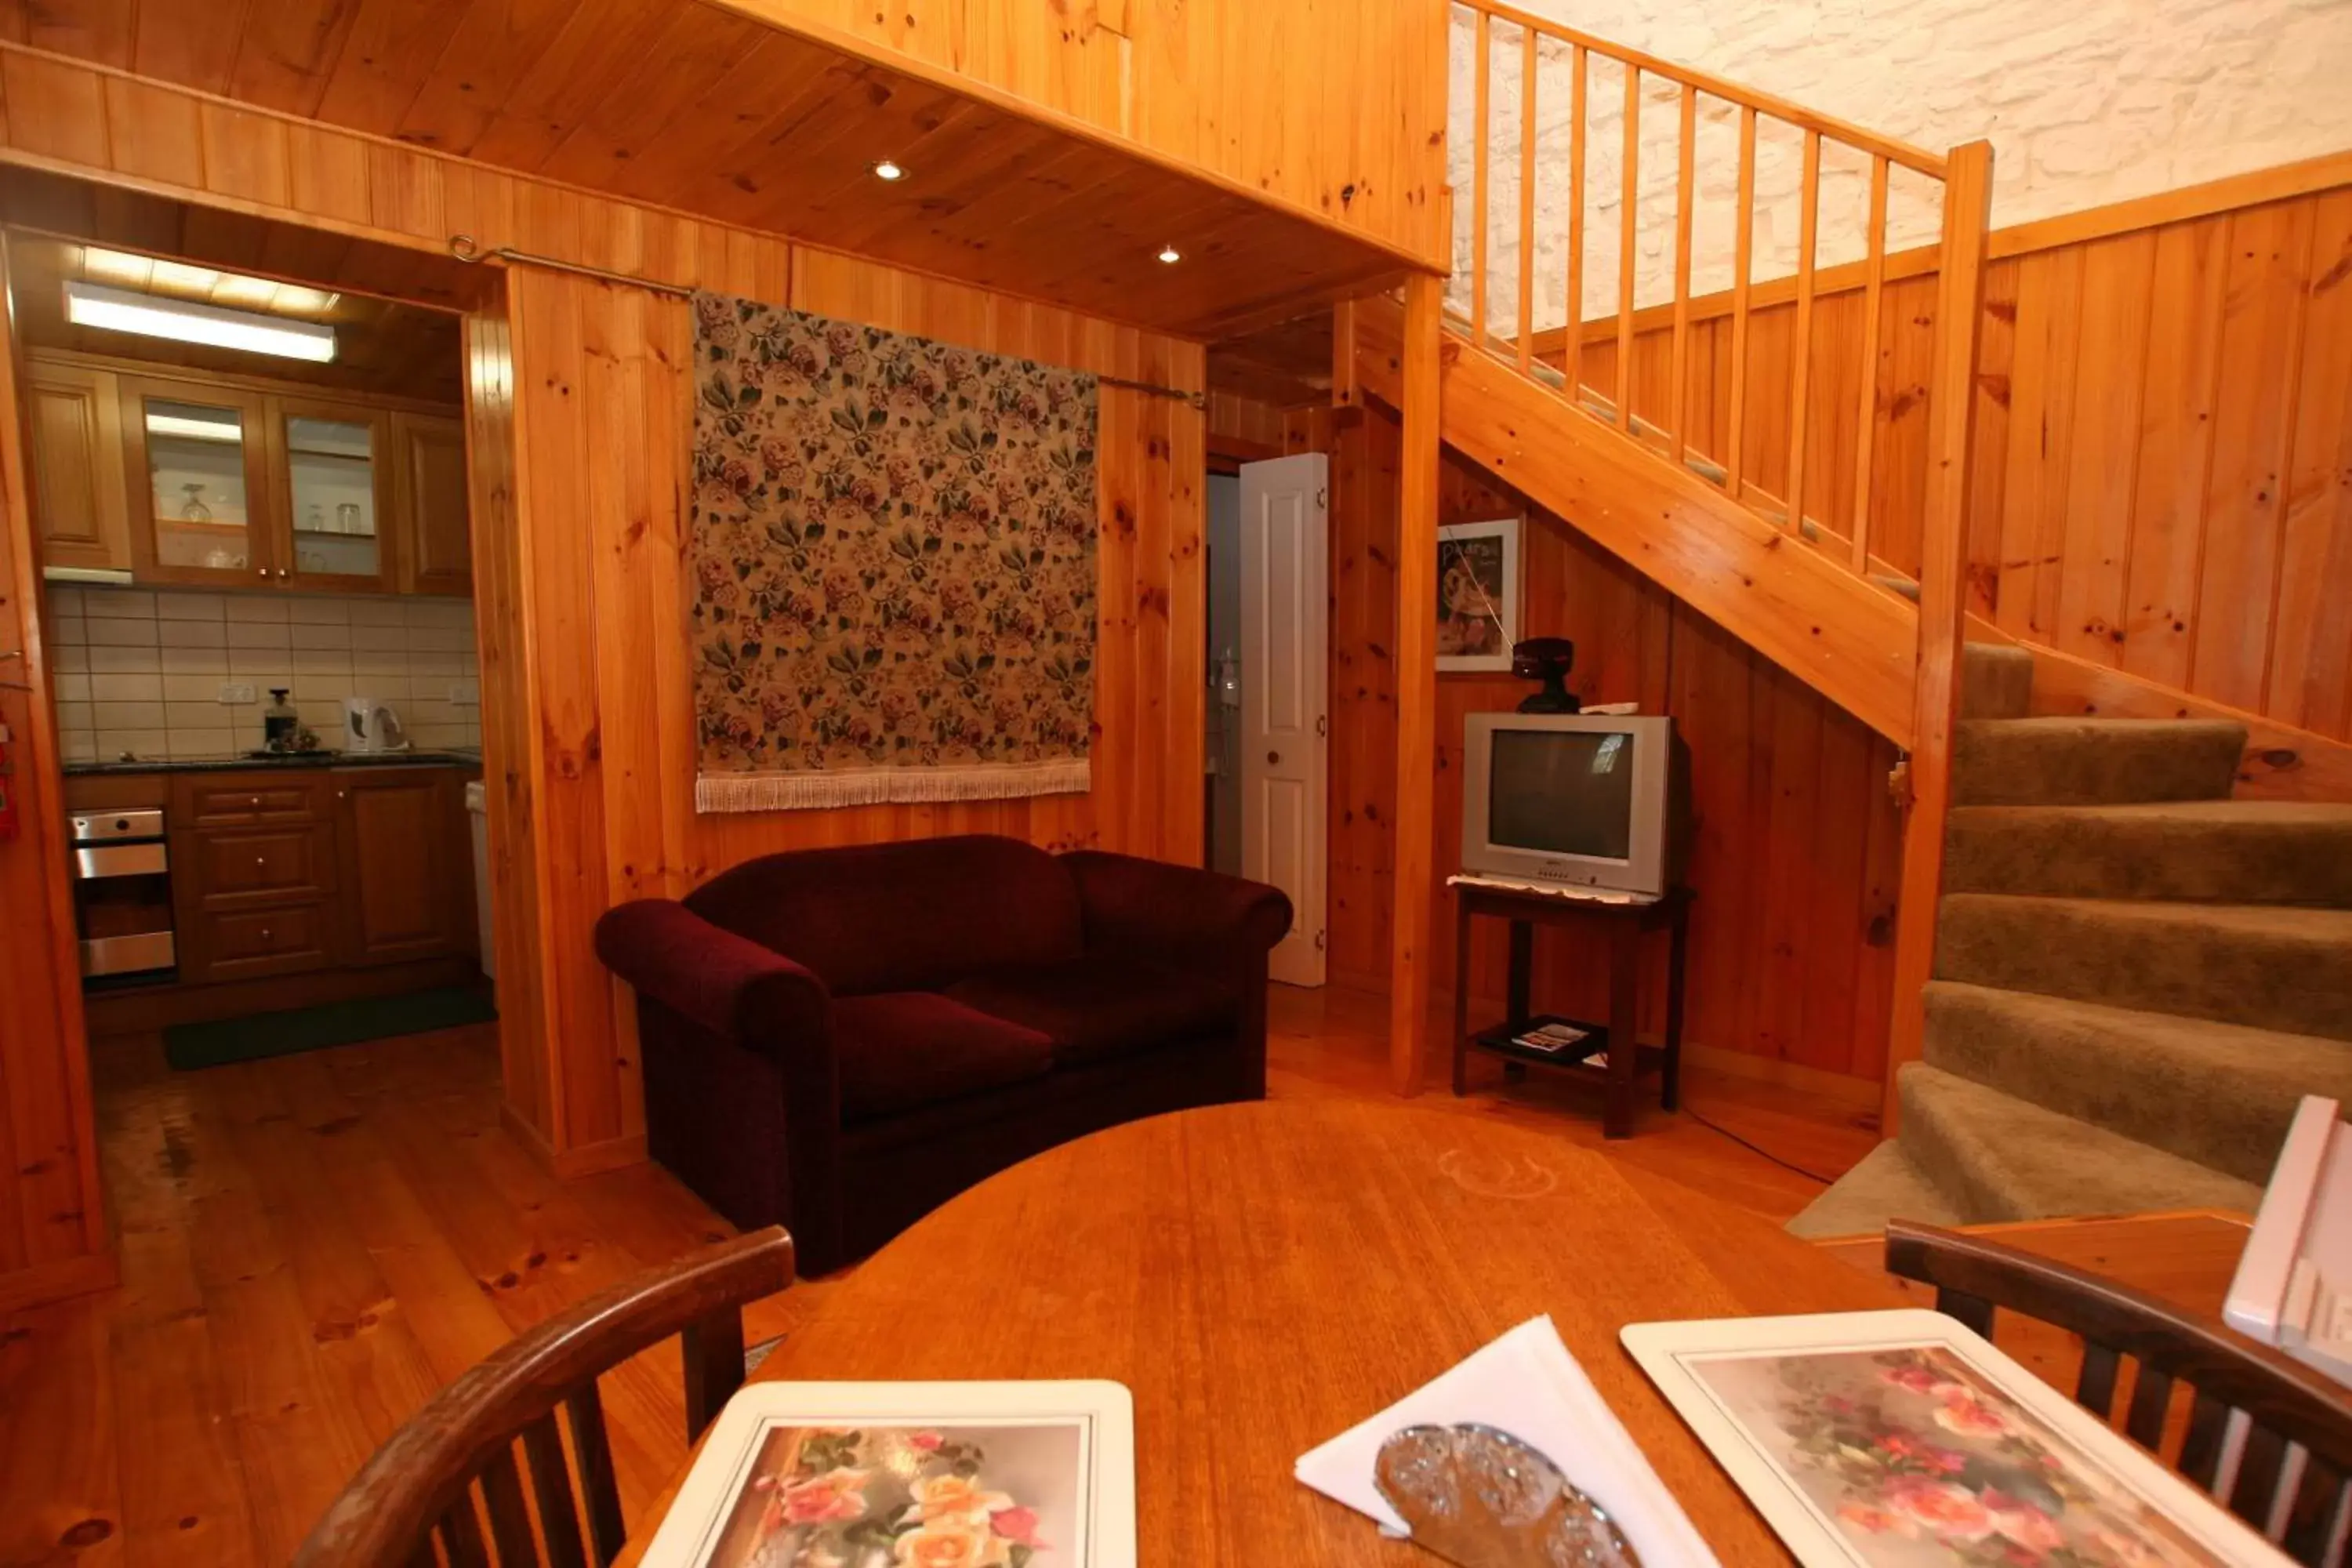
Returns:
(1714, 85)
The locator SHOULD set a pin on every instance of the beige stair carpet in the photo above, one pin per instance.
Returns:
(2137, 977)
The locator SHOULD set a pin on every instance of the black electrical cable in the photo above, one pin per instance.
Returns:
(1757, 1147)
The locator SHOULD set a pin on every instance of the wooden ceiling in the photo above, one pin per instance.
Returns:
(1282, 365)
(381, 346)
(696, 108)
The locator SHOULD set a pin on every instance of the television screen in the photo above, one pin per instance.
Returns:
(1565, 793)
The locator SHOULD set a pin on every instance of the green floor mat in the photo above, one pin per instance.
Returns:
(187, 1046)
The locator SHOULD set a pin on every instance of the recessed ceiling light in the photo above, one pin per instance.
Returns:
(1170, 255)
(888, 170)
(121, 310)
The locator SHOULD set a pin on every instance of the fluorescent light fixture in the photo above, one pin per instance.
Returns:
(205, 285)
(120, 311)
(195, 429)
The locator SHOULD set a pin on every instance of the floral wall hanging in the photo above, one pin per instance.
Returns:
(893, 557)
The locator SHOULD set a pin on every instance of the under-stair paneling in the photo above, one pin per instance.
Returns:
(1797, 841)
(2163, 465)
(603, 408)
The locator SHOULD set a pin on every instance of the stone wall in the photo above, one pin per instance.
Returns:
(2086, 102)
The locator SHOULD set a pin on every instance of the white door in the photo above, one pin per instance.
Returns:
(1286, 724)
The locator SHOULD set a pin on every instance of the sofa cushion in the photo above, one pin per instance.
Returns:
(901, 1049)
(912, 916)
(1102, 1005)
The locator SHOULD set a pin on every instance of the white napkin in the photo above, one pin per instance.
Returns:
(1527, 1385)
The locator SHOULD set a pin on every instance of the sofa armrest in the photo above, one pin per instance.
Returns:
(1152, 905)
(728, 984)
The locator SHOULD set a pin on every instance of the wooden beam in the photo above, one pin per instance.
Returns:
(1943, 601)
(1414, 888)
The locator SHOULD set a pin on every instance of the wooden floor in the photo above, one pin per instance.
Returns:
(311, 1246)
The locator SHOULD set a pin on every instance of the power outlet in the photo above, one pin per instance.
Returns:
(240, 692)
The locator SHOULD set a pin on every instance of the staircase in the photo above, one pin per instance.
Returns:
(2115, 979)
(2136, 977)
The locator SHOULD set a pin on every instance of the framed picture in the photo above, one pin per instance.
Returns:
(811, 1475)
(1902, 1439)
(1477, 594)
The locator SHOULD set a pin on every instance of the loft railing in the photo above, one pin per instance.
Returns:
(1954, 201)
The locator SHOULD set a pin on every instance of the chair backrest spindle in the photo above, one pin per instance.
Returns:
(452, 1466)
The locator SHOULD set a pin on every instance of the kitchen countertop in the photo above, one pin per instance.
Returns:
(291, 760)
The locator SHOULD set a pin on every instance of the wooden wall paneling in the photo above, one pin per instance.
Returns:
(53, 1234)
(2041, 412)
(2094, 564)
(2253, 422)
(2309, 683)
(2176, 448)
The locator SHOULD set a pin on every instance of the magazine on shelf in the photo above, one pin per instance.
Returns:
(798, 1474)
(1551, 1039)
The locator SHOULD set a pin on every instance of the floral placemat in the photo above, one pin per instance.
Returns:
(893, 557)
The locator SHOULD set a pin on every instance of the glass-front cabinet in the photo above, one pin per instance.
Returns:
(336, 481)
(200, 497)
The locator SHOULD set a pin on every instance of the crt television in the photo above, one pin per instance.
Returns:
(1589, 800)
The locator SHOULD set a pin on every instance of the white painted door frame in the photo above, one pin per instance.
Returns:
(1286, 730)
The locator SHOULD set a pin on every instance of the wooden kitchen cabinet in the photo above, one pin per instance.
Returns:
(73, 417)
(253, 876)
(334, 490)
(429, 505)
(407, 867)
(197, 470)
(237, 482)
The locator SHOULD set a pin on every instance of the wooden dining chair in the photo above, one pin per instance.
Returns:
(454, 1466)
(2277, 1406)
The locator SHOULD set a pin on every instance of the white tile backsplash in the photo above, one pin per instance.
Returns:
(140, 670)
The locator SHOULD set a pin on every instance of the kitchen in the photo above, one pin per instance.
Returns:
(249, 504)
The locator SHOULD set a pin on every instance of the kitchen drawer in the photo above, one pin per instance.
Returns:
(233, 867)
(238, 944)
(223, 800)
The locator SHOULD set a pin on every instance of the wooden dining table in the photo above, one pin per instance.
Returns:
(1265, 1276)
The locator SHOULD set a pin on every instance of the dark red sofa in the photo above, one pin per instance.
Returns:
(838, 1040)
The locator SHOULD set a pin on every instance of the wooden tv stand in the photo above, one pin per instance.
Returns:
(1622, 925)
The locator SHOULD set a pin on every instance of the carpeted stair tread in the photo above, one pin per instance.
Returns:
(1996, 681)
(2224, 851)
(2263, 965)
(1995, 1157)
(2219, 1094)
(2093, 762)
(1885, 1185)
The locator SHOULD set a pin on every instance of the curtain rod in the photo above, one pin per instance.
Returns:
(464, 248)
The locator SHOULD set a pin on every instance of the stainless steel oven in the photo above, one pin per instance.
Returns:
(122, 894)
